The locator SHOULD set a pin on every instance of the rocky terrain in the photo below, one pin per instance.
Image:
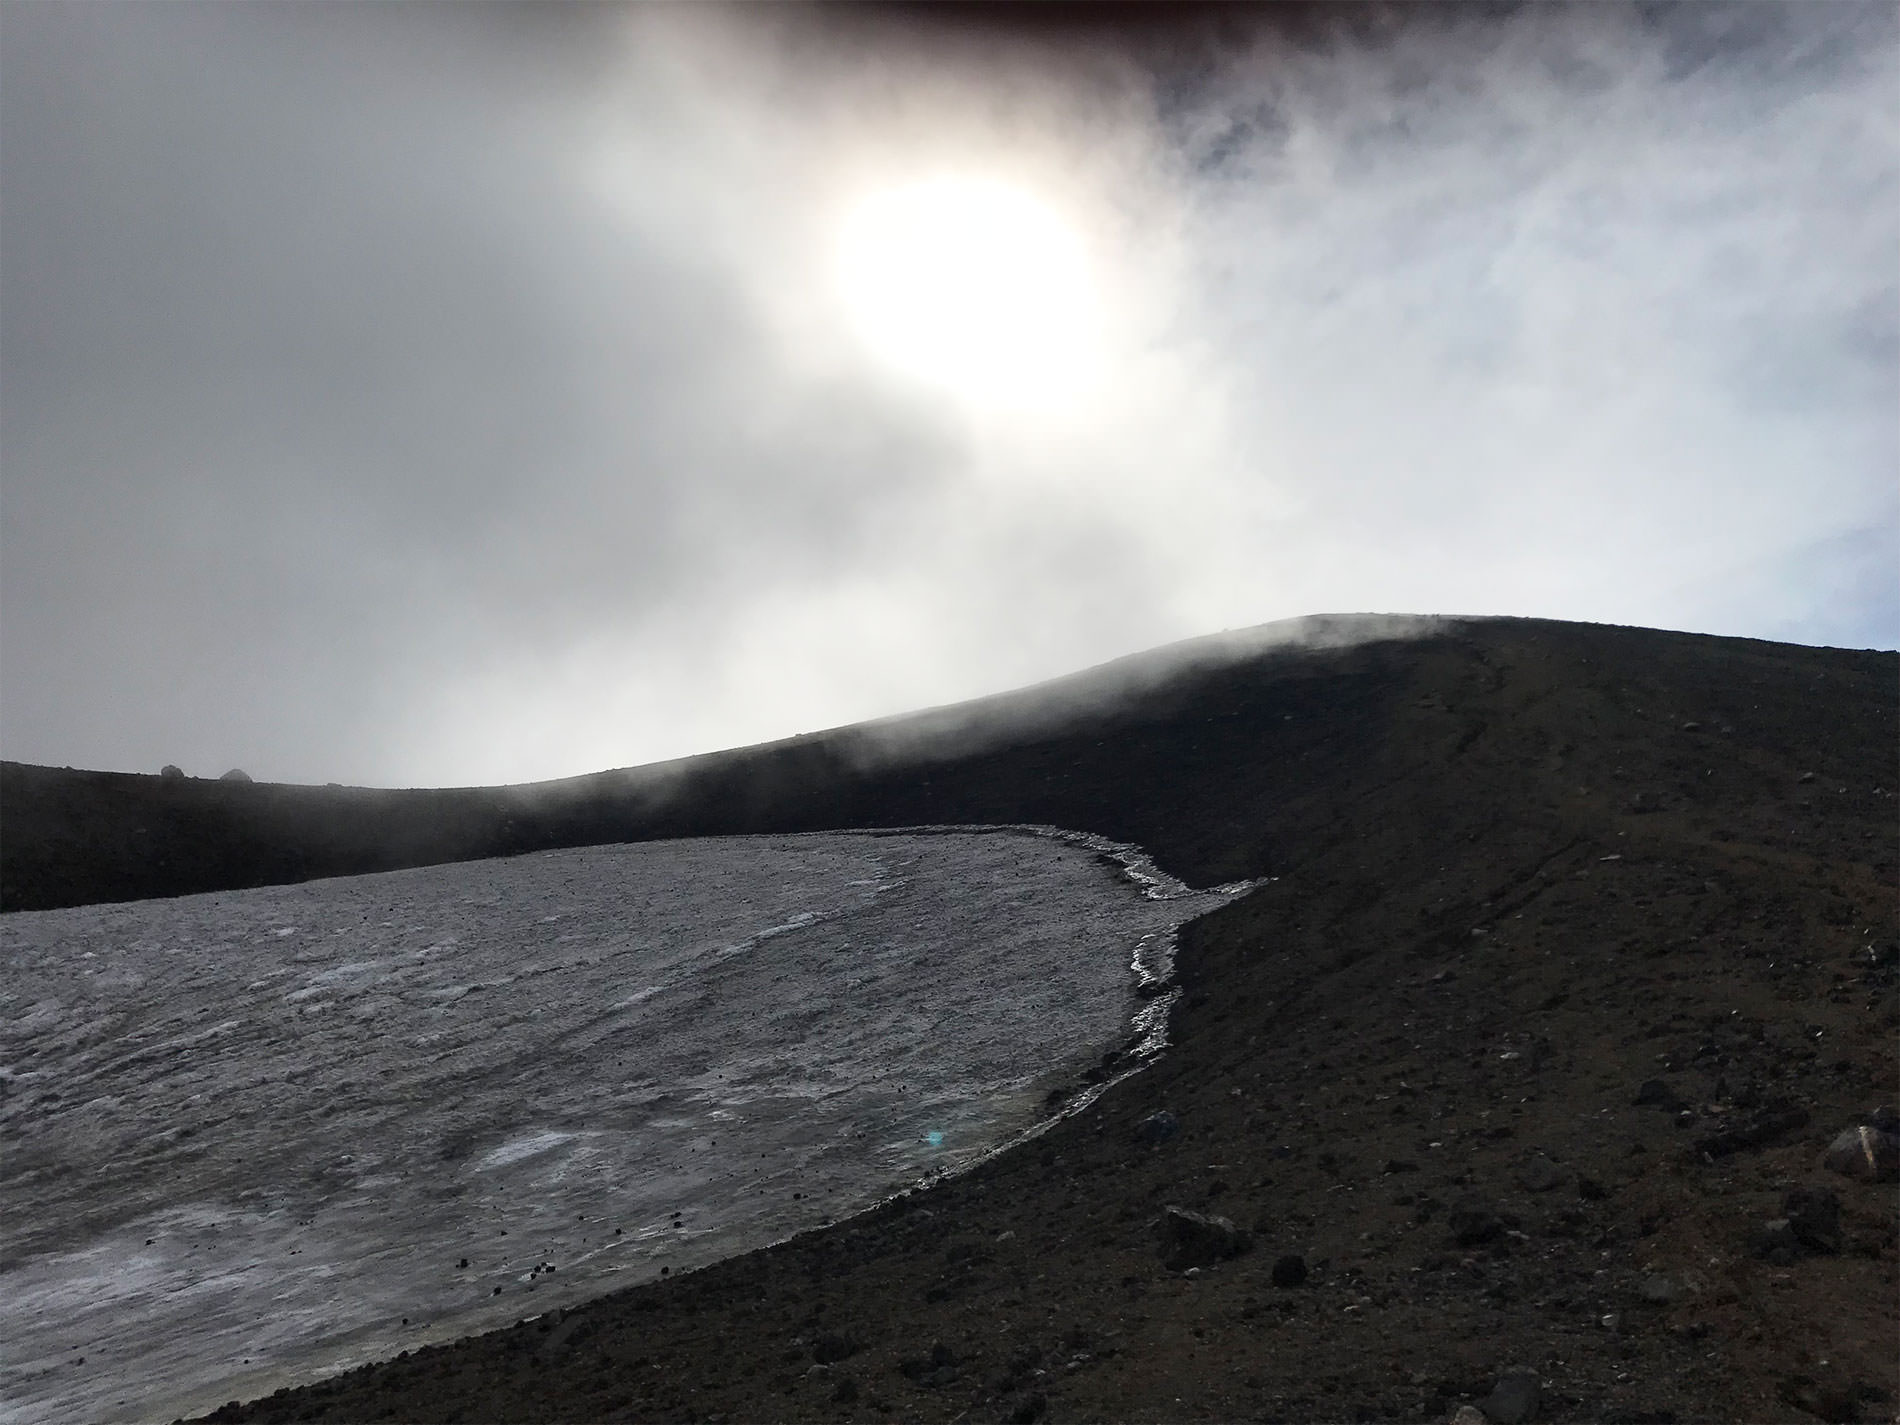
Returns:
(1512, 1091)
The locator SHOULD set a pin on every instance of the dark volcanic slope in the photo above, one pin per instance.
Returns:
(1523, 868)
(1176, 749)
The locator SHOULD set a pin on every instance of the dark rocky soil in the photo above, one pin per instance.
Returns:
(1581, 952)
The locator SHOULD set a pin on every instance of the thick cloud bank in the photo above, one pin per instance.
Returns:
(452, 394)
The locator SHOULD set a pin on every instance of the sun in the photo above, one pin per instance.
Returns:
(973, 286)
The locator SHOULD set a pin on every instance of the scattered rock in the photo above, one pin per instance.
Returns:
(1468, 1415)
(1289, 1271)
(1757, 1131)
(1539, 1174)
(1158, 1127)
(1656, 1093)
(1836, 1401)
(1869, 1151)
(236, 774)
(1513, 1399)
(1775, 1242)
(1153, 989)
(831, 1348)
(1659, 1288)
(936, 1369)
(1474, 1223)
(1814, 1216)
(1197, 1239)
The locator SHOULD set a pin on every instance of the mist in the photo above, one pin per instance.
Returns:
(437, 395)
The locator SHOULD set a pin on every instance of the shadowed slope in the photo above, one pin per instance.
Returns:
(1140, 749)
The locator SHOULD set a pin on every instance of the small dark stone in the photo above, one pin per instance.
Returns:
(831, 1348)
(1590, 1190)
(846, 1393)
(936, 1369)
(1539, 1174)
(1835, 1401)
(1289, 1271)
(1474, 1223)
(1513, 1399)
(1655, 1093)
(1158, 1127)
(1394, 1165)
(1757, 1131)
(1814, 1216)
(1197, 1239)
(1775, 1242)
(1029, 1409)
(1659, 1289)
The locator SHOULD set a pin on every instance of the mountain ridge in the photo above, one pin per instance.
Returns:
(1579, 952)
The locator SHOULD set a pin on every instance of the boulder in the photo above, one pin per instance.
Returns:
(172, 772)
(1197, 1239)
(236, 774)
(1869, 1151)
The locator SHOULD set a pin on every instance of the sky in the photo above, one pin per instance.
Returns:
(431, 395)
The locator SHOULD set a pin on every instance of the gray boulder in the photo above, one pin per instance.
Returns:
(236, 774)
(1869, 1151)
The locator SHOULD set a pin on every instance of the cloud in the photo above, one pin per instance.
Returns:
(449, 395)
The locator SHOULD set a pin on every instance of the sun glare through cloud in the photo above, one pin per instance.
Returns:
(436, 394)
(973, 285)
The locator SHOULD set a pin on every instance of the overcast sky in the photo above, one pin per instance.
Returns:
(448, 394)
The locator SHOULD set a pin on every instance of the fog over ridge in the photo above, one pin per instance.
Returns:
(456, 396)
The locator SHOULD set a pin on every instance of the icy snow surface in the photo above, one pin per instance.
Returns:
(250, 1138)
